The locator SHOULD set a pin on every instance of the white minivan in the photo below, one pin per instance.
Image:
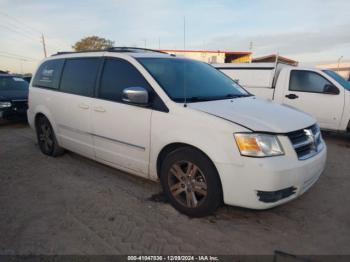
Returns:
(179, 121)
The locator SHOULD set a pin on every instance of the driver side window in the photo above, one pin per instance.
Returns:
(117, 75)
(308, 81)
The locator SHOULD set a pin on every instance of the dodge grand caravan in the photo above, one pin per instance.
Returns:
(179, 121)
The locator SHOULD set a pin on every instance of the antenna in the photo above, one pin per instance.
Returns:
(185, 95)
(274, 75)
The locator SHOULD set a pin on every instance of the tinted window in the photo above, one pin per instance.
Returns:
(12, 83)
(48, 74)
(117, 75)
(307, 81)
(197, 80)
(79, 76)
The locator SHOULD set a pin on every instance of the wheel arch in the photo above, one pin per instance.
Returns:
(176, 145)
(36, 118)
(45, 113)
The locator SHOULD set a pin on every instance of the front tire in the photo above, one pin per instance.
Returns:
(47, 139)
(190, 182)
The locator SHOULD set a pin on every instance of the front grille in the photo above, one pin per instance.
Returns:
(20, 106)
(306, 142)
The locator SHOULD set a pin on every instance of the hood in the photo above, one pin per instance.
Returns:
(256, 114)
(8, 95)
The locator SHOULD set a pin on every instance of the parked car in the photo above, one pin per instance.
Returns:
(321, 93)
(13, 97)
(179, 121)
(27, 78)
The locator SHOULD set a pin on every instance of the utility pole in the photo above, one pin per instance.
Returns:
(44, 45)
(340, 58)
(250, 50)
(184, 32)
(21, 64)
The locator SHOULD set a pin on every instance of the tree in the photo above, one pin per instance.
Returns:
(92, 43)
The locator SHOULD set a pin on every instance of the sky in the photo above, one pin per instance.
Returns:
(310, 31)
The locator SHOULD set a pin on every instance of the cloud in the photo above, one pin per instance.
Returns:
(307, 30)
(287, 43)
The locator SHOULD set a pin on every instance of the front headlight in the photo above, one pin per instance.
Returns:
(258, 145)
(5, 104)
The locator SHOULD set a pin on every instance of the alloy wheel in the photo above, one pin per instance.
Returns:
(46, 137)
(187, 184)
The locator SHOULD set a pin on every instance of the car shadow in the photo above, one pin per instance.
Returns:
(341, 139)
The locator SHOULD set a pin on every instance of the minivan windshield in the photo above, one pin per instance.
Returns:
(338, 78)
(12, 83)
(195, 80)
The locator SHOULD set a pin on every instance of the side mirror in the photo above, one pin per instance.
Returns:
(135, 95)
(330, 89)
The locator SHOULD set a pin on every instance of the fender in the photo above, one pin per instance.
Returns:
(198, 131)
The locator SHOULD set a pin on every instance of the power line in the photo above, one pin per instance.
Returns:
(19, 56)
(16, 58)
(20, 33)
(26, 29)
(18, 21)
(18, 26)
(51, 44)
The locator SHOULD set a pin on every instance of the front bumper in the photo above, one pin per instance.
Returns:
(261, 183)
(17, 110)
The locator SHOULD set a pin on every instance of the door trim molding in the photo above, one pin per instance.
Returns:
(103, 137)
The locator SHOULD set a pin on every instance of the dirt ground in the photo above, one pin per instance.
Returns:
(73, 205)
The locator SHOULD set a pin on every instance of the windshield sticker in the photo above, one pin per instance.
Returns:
(47, 75)
(18, 79)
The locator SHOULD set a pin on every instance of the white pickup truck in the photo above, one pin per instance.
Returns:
(321, 93)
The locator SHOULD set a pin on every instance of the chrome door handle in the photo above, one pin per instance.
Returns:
(99, 109)
(84, 106)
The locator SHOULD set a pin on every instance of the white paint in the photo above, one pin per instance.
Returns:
(137, 135)
(331, 111)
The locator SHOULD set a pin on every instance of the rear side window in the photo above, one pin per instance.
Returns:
(79, 76)
(307, 81)
(117, 75)
(48, 74)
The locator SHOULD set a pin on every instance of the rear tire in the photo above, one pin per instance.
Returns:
(190, 182)
(46, 138)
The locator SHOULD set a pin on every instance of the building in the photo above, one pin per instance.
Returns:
(272, 59)
(342, 68)
(209, 56)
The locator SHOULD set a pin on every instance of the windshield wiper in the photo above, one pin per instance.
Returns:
(236, 95)
(198, 98)
(209, 98)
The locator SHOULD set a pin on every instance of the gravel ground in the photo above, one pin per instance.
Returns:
(73, 205)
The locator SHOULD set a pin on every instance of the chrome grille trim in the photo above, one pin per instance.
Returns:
(306, 142)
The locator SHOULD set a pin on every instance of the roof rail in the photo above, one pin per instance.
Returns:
(133, 49)
(116, 49)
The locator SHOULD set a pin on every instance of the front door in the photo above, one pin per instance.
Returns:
(312, 93)
(121, 131)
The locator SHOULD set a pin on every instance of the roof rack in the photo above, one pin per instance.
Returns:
(133, 50)
(116, 49)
